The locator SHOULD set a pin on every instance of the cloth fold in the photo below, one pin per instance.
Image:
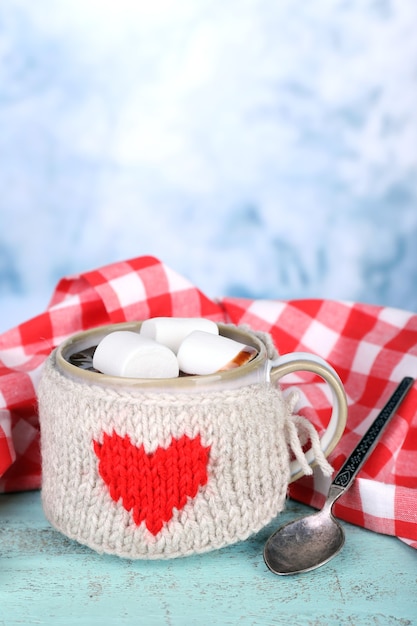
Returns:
(371, 348)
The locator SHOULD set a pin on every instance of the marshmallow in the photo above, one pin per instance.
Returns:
(126, 353)
(203, 353)
(170, 331)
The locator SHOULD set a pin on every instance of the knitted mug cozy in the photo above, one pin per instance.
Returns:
(161, 475)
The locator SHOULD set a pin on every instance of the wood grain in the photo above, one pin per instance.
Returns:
(48, 579)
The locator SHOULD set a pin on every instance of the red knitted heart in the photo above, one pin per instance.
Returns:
(152, 485)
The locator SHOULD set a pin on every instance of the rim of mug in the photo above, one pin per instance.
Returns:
(90, 338)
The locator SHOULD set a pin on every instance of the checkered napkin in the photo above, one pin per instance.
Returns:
(372, 348)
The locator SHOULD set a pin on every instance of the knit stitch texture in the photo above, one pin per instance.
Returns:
(161, 475)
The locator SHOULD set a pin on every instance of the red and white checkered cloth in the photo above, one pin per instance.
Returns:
(371, 347)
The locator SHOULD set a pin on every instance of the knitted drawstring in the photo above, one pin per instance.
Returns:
(298, 430)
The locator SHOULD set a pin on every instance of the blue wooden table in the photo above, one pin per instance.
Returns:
(48, 579)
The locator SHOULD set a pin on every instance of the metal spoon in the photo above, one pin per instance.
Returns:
(311, 541)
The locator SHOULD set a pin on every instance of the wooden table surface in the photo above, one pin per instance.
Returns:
(46, 578)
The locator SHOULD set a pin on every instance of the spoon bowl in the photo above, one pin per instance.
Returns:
(308, 542)
(305, 543)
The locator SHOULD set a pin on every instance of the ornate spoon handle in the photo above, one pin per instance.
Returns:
(354, 462)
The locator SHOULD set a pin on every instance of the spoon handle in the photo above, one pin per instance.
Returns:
(354, 462)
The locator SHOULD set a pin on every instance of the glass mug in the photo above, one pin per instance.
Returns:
(161, 468)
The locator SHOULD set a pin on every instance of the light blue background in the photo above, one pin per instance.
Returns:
(262, 149)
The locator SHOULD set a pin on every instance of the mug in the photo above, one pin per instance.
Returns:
(161, 468)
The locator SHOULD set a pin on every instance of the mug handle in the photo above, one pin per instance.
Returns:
(304, 361)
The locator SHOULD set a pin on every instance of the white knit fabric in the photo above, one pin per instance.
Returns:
(245, 432)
